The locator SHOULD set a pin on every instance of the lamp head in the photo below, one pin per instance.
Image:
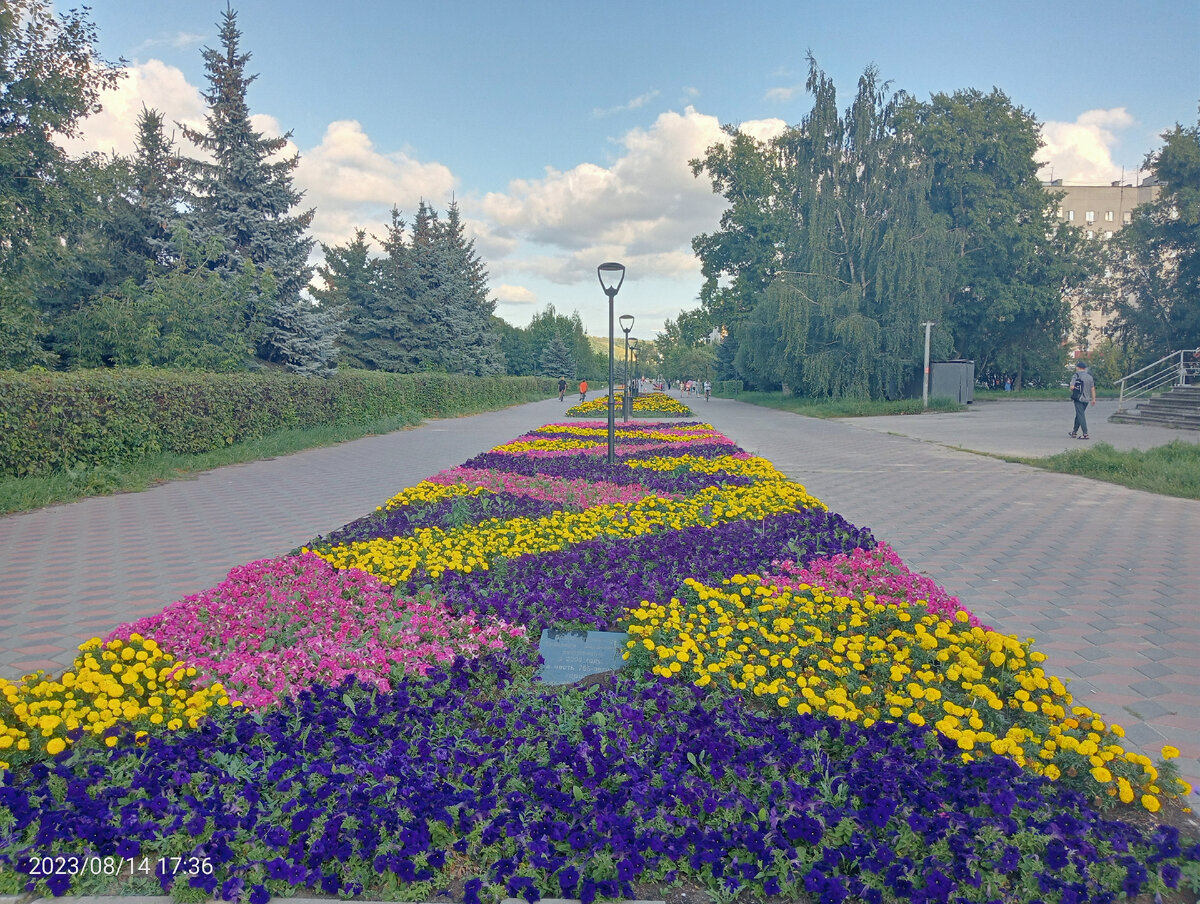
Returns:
(626, 323)
(611, 276)
(633, 343)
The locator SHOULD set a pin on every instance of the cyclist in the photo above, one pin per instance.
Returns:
(707, 390)
(562, 387)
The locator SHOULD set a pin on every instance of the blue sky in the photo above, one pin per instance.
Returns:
(563, 129)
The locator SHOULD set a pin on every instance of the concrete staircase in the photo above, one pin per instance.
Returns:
(1178, 409)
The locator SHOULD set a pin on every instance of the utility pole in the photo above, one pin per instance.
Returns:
(925, 378)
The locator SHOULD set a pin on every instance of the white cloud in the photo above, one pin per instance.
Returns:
(1081, 151)
(507, 294)
(636, 104)
(643, 210)
(181, 40)
(784, 93)
(763, 129)
(354, 185)
(153, 84)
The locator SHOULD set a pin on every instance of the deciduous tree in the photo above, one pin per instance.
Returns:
(1152, 288)
(1012, 261)
(830, 235)
(51, 77)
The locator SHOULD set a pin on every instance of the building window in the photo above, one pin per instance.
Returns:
(1108, 234)
(1090, 216)
(1127, 217)
(1091, 234)
(1108, 216)
(1061, 214)
(1070, 216)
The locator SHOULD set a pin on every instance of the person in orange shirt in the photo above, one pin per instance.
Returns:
(582, 391)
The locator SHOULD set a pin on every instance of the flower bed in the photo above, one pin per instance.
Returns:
(801, 716)
(650, 404)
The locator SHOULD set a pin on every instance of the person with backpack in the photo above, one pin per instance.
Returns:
(1083, 388)
(562, 387)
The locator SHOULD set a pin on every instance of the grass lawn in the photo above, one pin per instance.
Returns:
(833, 408)
(1170, 470)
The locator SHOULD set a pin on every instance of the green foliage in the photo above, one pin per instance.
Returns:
(242, 197)
(556, 359)
(50, 79)
(189, 317)
(351, 284)
(848, 231)
(523, 346)
(834, 408)
(53, 422)
(1012, 261)
(831, 239)
(1152, 286)
(423, 306)
(680, 351)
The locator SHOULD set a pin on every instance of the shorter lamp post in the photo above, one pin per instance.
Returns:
(626, 402)
(633, 347)
(611, 275)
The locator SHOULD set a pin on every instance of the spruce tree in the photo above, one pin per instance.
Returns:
(480, 342)
(243, 198)
(557, 359)
(156, 189)
(390, 335)
(434, 314)
(351, 281)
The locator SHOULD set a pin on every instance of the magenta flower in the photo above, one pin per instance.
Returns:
(278, 626)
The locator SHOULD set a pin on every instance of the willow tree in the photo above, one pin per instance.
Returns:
(831, 234)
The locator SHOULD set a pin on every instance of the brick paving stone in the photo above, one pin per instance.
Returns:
(1086, 670)
(1149, 688)
(1154, 670)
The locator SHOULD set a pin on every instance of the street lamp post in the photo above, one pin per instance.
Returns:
(611, 276)
(626, 401)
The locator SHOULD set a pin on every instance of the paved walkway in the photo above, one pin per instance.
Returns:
(1106, 579)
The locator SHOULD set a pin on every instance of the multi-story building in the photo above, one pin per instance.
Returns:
(1102, 210)
(1099, 211)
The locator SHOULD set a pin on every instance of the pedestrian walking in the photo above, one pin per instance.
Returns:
(582, 391)
(1083, 389)
(562, 387)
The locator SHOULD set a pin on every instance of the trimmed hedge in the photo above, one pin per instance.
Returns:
(54, 422)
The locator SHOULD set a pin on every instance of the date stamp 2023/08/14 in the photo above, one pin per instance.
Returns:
(72, 865)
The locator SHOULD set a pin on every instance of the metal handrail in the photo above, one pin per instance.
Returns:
(1170, 370)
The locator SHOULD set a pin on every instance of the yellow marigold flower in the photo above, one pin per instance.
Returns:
(1151, 803)
(1169, 752)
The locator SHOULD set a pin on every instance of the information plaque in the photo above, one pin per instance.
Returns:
(571, 656)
